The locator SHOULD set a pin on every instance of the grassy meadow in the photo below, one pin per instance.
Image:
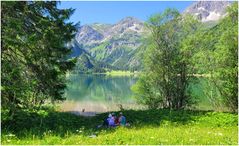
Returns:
(161, 126)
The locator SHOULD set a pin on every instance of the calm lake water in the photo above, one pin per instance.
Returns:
(99, 93)
(102, 93)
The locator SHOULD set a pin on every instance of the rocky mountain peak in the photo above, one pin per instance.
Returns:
(208, 10)
(126, 25)
(101, 28)
(87, 34)
(129, 20)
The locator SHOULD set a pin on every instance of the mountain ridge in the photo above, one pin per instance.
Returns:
(207, 11)
(113, 44)
(119, 44)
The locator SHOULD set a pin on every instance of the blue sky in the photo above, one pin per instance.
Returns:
(111, 12)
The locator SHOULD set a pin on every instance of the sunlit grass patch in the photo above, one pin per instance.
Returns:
(147, 127)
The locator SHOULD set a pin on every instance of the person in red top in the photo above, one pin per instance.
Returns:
(117, 121)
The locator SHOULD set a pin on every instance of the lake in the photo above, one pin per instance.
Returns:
(99, 93)
(102, 93)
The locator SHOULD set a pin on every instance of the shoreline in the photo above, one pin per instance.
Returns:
(108, 73)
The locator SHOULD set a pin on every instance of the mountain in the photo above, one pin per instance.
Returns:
(101, 28)
(85, 62)
(125, 26)
(207, 11)
(88, 36)
(116, 44)
(119, 46)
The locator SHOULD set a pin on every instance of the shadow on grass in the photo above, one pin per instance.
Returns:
(24, 124)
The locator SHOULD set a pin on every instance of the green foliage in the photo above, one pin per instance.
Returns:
(34, 37)
(168, 66)
(153, 126)
(145, 93)
(226, 58)
(218, 56)
(83, 63)
(180, 48)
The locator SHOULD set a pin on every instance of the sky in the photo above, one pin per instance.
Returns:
(110, 12)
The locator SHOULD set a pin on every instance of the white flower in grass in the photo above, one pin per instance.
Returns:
(10, 135)
(220, 134)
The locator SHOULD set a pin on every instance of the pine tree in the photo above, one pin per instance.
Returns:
(34, 52)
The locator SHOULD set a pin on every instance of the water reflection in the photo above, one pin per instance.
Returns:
(99, 93)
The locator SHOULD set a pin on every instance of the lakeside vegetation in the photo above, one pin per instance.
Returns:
(181, 46)
(161, 126)
(121, 73)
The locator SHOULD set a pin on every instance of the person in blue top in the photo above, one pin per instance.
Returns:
(111, 120)
(122, 119)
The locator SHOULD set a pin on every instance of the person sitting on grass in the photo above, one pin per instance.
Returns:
(111, 120)
(106, 121)
(122, 119)
(117, 123)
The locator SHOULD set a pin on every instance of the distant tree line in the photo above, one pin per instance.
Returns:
(34, 53)
(178, 47)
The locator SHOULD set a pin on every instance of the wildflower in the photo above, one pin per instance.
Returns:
(220, 134)
(92, 136)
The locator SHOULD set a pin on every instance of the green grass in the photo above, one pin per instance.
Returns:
(120, 73)
(147, 127)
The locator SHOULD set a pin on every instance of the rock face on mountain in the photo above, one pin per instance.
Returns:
(118, 46)
(112, 44)
(125, 26)
(208, 10)
(87, 35)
